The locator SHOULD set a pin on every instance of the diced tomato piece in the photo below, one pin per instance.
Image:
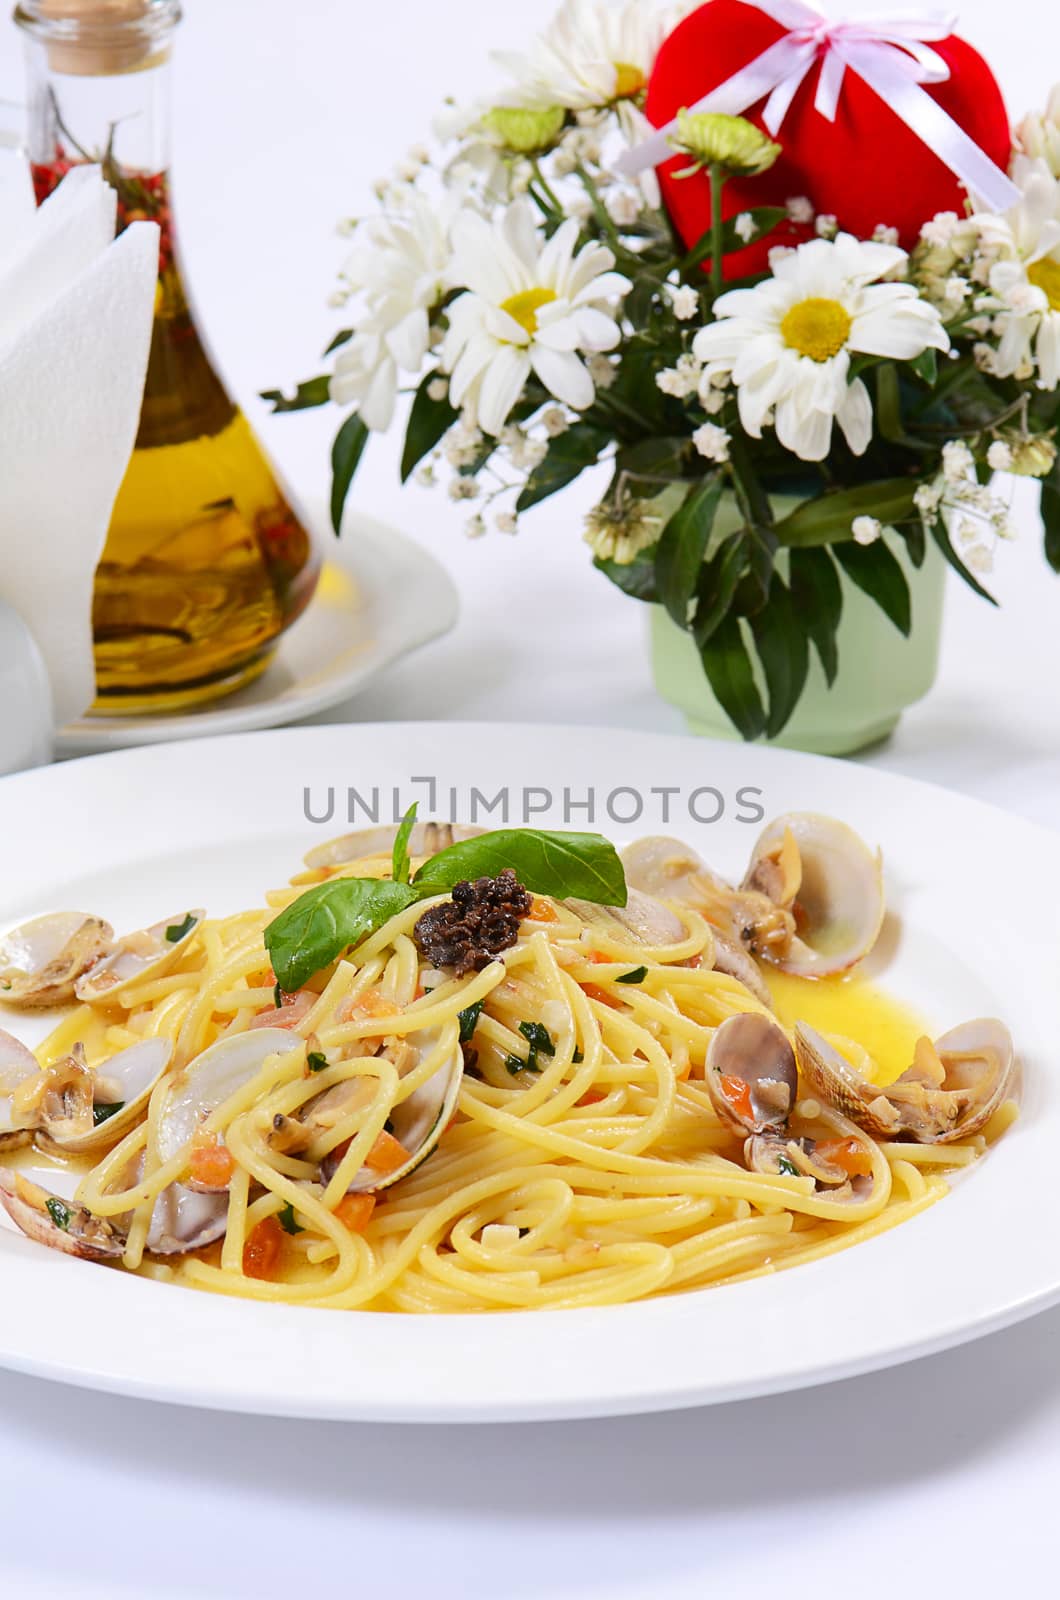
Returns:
(738, 1094)
(592, 1097)
(850, 1155)
(211, 1163)
(369, 1003)
(593, 991)
(386, 1155)
(293, 1010)
(354, 1211)
(263, 1249)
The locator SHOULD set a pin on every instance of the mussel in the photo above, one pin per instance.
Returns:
(949, 1093)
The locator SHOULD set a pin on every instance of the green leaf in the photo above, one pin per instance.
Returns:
(468, 1019)
(877, 571)
(313, 392)
(926, 366)
(180, 930)
(567, 458)
(538, 1037)
(343, 336)
(829, 518)
(664, 457)
(61, 1214)
(400, 861)
(1051, 518)
(286, 1219)
(727, 665)
(583, 865)
(789, 1168)
(326, 921)
(784, 652)
(683, 545)
(103, 1113)
(942, 539)
(634, 975)
(346, 455)
(316, 1061)
(717, 586)
(429, 421)
(817, 596)
(635, 578)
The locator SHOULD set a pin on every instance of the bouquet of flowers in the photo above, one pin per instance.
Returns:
(551, 302)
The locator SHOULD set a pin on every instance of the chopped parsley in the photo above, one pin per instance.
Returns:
(788, 1168)
(277, 998)
(59, 1212)
(101, 1114)
(578, 1057)
(469, 1020)
(316, 1060)
(180, 930)
(539, 1039)
(638, 975)
(286, 1218)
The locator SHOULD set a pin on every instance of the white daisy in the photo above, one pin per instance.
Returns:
(530, 306)
(591, 54)
(1025, 282)
(399, 269)
(788, 341)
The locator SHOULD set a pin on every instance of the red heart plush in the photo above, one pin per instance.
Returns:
(864, 168)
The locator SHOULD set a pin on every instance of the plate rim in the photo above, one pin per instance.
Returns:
(236, 1318)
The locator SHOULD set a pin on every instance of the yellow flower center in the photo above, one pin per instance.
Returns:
(524, 306)
(1045, 275)
(816, 328)
(629, 80)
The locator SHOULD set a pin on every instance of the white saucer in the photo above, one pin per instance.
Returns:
(380, 597)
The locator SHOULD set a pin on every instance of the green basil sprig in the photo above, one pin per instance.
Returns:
(318, 927)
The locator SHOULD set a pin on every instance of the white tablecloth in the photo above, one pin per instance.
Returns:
(938, 1474)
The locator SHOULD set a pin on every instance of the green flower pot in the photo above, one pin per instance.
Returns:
(880, 672)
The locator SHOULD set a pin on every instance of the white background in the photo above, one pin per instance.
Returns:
(942, 1474)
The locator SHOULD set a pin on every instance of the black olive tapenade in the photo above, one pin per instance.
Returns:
(479, 922)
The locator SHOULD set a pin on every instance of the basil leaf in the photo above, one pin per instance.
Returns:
(179, 930)
(515, 1065)
(102, 1114)
(60, 1213)
(326, 921)
(580, 865)
(637, 975)
(401, 863)
(277, 996)
(285, 1216)
(468, 1019)
(538, 1037)
(316, 1061)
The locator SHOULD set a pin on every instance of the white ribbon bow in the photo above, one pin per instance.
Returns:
(891, 54)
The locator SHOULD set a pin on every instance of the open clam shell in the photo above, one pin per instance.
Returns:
(426, 839)
(17, 1065)
(149, 953)
(119, 1092)
(751, 1074)
(210, 1079)
(418, 1123)
(643, 918)
(59, 1224)
(818, 1143)
(974, 1065)
(184, 1220)
(41, 961)
(827, 877)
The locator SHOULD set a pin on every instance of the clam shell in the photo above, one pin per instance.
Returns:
(840, 903)
(41, 961)
(418, 1123)
(426, 839)
(91, 1238)
(128, 1079)
(17, 1064)
(147, 954)
(757, 1051)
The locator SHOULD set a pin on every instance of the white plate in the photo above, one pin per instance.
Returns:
(380, 597)
(975, 929)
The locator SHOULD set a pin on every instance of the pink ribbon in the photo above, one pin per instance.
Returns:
(892, 55)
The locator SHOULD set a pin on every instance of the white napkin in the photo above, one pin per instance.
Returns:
(76, 308)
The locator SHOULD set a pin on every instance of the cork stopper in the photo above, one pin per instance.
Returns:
(95, 38)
